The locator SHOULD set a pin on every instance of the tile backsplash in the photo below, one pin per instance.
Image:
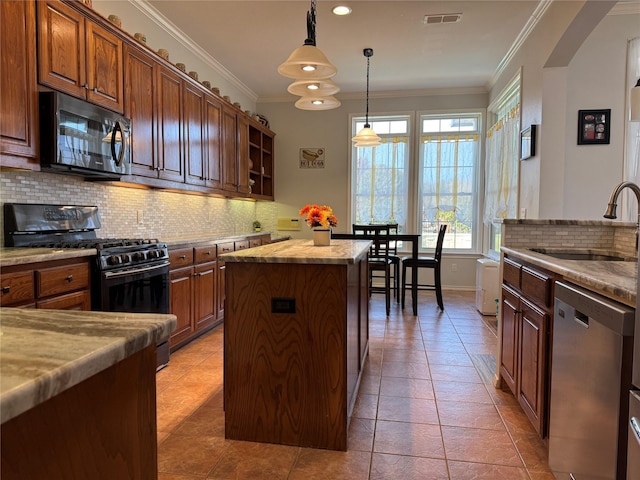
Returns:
(139, 212)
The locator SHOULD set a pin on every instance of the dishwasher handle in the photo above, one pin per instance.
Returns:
(634, 423)
(581, 319)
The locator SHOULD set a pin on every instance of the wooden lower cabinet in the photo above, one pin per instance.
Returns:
(181, 304)
(59, 284)
(526, 325)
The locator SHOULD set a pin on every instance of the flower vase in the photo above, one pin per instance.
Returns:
(322, 237)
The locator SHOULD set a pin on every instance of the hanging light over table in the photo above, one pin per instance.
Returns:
(307, 62)
(367, 137)
(635, 102)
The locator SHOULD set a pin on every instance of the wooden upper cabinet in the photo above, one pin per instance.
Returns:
(104, 68)
(79, 57)
(18, 86)
(229, 150)
(193, 117)
(243, 154)
(170, 135)
(212, 130)
(140, 80)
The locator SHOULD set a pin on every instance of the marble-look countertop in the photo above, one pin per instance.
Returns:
(613, 279)
(303, 251)
(20, 255)
(182, 241)
(561, 221)
(45, 352)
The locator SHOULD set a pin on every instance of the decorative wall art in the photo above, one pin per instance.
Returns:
(594, 127)
(528, 142)
(312, 158)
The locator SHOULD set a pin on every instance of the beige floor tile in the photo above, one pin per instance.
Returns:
(414, 439)
(472, 415)
(461, 392)
(483, 471)
(406, 369)
(314, 464)
(389, 467)
(252, 460)
(480, 446)
(406, 387)
(405, 409)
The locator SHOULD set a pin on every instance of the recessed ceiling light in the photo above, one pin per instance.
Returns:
(341, 10)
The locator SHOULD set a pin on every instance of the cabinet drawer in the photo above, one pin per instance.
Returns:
(181, 257)
(242, 244)
(71, 301)
(66, 278)
(511, 273)
(225, 248)
(537, 286)
(16, 288)
(255, 242)
(205, 254)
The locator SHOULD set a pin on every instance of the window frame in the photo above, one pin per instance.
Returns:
(414, 165)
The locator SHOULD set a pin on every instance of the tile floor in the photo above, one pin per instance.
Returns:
(426, 409)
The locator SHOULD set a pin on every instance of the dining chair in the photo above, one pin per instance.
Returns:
(396, 260)
(427, 262)
(379, 260)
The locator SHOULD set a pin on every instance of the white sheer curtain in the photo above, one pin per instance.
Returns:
(501, 170)
(381, 182)
(632, 157)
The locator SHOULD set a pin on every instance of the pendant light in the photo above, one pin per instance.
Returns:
(307, 62)
(367, 137)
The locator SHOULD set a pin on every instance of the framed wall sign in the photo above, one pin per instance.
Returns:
(528, 142)
(312, 158)
(594, 127)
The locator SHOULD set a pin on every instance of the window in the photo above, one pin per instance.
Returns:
(449, 161)
(420, 183)
(380, 174)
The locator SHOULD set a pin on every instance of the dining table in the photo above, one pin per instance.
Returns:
(414, 239)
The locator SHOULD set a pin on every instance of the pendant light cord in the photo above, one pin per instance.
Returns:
(311, 25)
(368, 52)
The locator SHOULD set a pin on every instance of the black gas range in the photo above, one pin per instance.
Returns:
(128, 274)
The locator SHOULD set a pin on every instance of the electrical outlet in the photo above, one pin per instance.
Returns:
(523, 212)
(454, 267)
(140, 216)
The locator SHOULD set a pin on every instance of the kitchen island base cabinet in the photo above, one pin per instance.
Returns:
(296, 338)
(103, 428)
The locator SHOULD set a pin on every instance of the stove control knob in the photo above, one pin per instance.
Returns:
(154, 253)
(124, 258)
(113, 260)
(138, 256)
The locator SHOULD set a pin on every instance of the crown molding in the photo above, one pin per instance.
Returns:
(177, 34)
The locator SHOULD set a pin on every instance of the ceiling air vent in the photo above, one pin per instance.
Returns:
(442, 18)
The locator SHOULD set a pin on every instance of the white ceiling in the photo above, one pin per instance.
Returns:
(250, 38)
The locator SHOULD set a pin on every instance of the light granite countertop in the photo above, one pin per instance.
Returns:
(45, 352)
(303, 251)
(181, 241)
(19, 256)
(613, 279)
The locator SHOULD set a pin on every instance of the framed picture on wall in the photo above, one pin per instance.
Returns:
(594, 127)
(528, 142)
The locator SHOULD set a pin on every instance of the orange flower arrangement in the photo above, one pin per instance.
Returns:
(319, 216)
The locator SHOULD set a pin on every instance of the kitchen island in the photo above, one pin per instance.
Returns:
(295, 341)
(78, 393)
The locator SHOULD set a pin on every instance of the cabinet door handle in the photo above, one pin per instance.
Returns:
(95, 90)
(182, 257)
(207, 252)
(69, 278)
(6, 289)
(85, 86)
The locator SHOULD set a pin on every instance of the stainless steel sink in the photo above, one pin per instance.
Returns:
(583, 255)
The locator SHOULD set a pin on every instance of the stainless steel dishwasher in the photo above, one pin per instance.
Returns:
(590, 381)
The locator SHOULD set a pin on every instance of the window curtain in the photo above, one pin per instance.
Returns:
(382, 182)
(448, 185)
(632, 157)
(501, 172)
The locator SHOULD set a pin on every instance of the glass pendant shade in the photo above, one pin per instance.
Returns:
(317, 103)
(307, 62)
(313, 88)
(635, 103)
(366, 138)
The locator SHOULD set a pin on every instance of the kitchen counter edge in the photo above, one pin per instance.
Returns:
(613, 279)
(45, 352)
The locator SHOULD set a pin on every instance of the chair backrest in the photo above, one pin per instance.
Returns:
(440, 242)
(393, 246)
(381, 243)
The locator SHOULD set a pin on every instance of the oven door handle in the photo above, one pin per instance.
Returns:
(137, 270)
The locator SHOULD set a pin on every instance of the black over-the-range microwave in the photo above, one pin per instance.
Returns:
(80, 138)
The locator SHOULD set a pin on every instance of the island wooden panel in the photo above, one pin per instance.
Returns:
(292, 378)
(104, 428)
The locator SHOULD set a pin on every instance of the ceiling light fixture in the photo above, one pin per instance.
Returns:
(317, 103)
(367, 137)
(341, 10)
(307, 62)
(315, 88)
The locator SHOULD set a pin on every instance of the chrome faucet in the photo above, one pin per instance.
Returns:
(611, 207)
